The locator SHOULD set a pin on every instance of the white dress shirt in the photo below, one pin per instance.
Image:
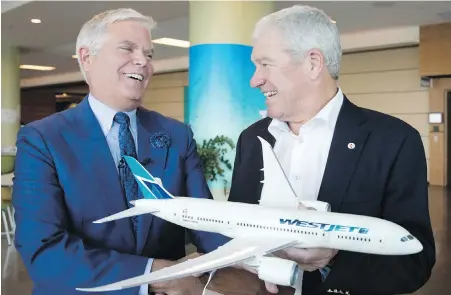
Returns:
(303, 157)
(105, 116)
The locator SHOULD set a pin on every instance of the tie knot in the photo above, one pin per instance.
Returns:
(122, 118)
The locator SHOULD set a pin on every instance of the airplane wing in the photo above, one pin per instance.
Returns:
(277, 191)
(236, 251)
(127, 213)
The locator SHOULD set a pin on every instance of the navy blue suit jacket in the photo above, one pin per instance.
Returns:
(65, 178)
(384, 176)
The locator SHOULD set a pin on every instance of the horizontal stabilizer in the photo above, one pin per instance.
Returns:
(127, 213)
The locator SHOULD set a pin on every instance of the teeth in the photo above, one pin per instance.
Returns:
(135, 76)
(270, 93)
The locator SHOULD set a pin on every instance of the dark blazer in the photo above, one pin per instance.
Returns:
(384, 176)
(65, 178)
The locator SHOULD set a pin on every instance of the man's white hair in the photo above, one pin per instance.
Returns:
(93, 32)
(305, 28)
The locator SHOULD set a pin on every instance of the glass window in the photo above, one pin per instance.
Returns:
(403, 239)
(410, 237)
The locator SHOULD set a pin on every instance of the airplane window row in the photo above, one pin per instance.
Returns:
(210, 220)
(354, 238)
(279, 229)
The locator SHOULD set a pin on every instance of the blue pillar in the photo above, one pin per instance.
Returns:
(220, 100)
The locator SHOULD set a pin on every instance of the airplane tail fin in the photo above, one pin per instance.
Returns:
(150, 186)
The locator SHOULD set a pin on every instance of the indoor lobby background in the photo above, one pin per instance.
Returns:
(397, 60)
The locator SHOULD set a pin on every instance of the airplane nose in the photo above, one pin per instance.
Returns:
(416, 246)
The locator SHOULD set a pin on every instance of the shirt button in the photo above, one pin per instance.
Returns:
(298, 177)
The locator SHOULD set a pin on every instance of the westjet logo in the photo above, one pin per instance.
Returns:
(325, 226)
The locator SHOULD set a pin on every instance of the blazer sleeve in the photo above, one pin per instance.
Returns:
(405, 203)
(52, 252)
(196, 187)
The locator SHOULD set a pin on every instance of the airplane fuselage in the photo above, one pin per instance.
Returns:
(311, 228)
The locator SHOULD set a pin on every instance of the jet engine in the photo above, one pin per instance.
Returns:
(317, 205)
(278, 271)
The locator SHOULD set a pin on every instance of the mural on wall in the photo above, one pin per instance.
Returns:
(220, 103)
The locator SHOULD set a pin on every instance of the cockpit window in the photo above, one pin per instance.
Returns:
(406, 238)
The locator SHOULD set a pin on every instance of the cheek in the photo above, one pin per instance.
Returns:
(282, 81)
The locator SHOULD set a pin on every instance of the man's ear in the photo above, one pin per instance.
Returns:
(316, 63)
(85, 57)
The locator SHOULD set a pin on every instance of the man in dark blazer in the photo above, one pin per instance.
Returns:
(69, 173)
(357, 160)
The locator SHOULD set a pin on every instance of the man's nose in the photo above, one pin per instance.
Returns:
(140, 59)
(257, 80)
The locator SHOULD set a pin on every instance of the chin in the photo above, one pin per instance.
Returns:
(274, 114)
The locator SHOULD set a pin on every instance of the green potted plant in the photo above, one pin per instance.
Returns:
(212, 153)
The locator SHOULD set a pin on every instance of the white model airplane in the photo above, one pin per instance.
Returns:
(256, 231)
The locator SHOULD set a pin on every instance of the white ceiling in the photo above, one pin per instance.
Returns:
(53, 41)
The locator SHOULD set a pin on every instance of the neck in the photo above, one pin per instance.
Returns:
(312, 105)
(112, 101)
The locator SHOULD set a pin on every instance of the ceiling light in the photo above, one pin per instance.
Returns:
(36, 68)
(172, 42)
(36, 20)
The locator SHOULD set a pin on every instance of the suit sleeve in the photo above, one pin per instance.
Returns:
(196, 187)
(405, 203)
(45, 238)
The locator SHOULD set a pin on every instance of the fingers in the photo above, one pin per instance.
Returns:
(191, 256)
(272, 288)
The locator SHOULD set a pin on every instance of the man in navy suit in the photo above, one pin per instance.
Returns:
(69, 173)
(357, 160)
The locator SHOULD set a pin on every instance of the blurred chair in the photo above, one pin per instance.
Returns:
(9, 225)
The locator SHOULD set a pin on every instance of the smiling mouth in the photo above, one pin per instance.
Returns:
(134, 76)
(270, 94)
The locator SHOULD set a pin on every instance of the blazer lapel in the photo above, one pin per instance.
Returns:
(347, 144)
(154, 159)
(89, 145)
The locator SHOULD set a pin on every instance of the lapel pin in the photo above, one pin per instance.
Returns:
(351, 145)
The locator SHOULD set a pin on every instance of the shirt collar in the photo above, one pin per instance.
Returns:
(105, 114)
(329, 114)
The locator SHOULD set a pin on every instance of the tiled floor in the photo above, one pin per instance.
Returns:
(15, 280)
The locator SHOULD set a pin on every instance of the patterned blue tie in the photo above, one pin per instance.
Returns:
(127, 147)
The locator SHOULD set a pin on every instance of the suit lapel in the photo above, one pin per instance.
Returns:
(153, 159)
(89, 145)
(347, 144)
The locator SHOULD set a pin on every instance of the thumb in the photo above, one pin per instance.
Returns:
(272, 288)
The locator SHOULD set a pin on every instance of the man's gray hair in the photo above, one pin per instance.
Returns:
(93, 32)
(305, 28)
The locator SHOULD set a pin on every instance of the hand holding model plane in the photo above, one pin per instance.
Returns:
(258, 232)
(190, 285)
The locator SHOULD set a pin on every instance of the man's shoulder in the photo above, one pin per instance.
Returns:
(50, 124)
(256, 127)
(387, 124)
(168, 123)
